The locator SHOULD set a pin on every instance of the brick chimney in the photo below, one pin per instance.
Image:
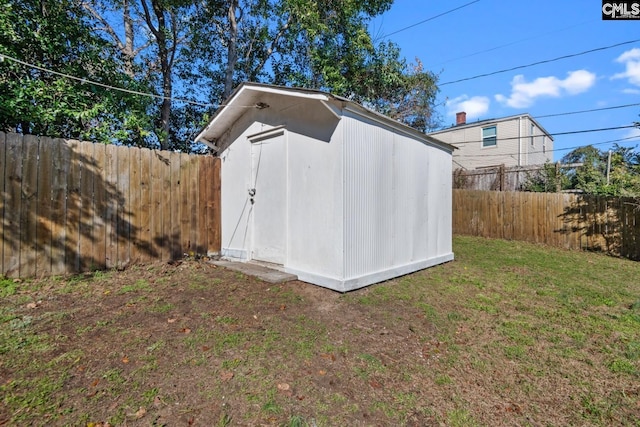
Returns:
(461, 118)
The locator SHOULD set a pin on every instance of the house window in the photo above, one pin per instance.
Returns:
(489, 137)
(531, 132)
(544, 144)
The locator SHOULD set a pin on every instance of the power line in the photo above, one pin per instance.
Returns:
(568, 113)
(510, 44)
(587, 111)
(109, 87)
(546, 61)
(549, 151)
(573, 132)
(427, 20)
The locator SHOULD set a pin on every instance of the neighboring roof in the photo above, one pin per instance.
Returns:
(491, 121)
(252, 95)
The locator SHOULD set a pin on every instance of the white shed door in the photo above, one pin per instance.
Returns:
(268, 158)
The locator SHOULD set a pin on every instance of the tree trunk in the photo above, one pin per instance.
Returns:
(128, 48)
(232, 51)
(166, 54)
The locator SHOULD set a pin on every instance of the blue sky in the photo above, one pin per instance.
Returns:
(493, 35)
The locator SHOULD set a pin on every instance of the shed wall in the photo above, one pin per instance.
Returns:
(397, 199)
(315, 206)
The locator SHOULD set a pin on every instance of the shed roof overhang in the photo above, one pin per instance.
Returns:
(260, 96)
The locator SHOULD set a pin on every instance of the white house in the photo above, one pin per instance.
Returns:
(510, 141)
(328, 190)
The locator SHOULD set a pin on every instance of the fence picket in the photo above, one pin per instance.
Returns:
(194, 202)
(174, 224)
(184, 206)
(29, 211)
(13, 205)
(99, 207)
(134, 204)
(143, 221)
(43, 226)
(122, 184)
(72, 223)
(61, 157)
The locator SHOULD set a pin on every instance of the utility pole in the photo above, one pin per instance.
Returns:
(608, 166)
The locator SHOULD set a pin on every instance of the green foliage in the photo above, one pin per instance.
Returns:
(194, 50)
(57, 35)
(591, 176)
(586, 168)
(316, 45)
(549, 179)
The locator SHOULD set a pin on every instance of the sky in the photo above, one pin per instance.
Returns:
(485, 36)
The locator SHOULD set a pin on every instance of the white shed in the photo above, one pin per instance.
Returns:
(331, 191)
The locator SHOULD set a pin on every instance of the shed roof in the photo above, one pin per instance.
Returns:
(257, 95)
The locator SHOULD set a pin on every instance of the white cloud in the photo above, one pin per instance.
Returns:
(631, 91)
(631, 60)
(523, 93)
(630, 55)
(632, 133)
(474, 107)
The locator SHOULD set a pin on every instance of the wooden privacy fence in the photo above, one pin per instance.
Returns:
(70, 206)
(571, 221)
(498, 178)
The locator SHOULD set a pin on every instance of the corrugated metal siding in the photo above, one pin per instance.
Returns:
(368, 198)
(397, 200)
(439, 210)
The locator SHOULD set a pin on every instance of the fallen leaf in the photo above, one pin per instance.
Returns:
(375, 384)
(140, 413)
(322, 372)
(95, 382)
(185, 330)
(125, 359)
(226, 375)
(32, 305)
(206, 348)
(171, 320)
(330, 356)
(283, 307)
(283, 386)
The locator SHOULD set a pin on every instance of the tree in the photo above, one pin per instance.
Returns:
(55, 35)
(194, 50)
(620, 164)
(318, 45)
(153, 56)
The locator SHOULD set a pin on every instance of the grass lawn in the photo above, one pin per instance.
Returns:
(508, 334)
